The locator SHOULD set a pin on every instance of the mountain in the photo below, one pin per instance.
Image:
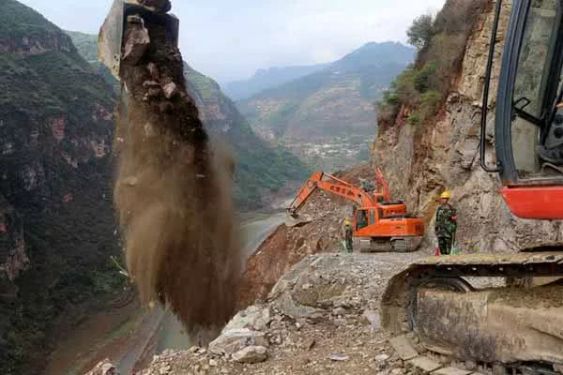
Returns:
(56, 217)
(261, 167)
(265, 79)
(326, 117)
(87, 47)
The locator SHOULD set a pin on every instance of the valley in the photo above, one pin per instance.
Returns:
(144, 220)
(328, 115)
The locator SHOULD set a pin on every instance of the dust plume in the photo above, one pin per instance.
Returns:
(173, 189)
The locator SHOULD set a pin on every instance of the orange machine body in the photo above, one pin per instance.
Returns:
(375, 216)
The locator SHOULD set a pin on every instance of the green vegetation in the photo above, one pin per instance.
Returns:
(424, 86)
(86, 44)
(69, 244)
(335, 101)
(421, 31)
(16, 21)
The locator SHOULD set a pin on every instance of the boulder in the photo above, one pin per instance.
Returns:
(232, 341)
(104, 368)
(251, 354)
(255, 317)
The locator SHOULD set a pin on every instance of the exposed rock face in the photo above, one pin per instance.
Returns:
(56, 217)
(12, 247)
(420, 161)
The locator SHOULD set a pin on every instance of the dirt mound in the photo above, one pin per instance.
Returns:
(321, 319)
(173, 189)
(287, 246)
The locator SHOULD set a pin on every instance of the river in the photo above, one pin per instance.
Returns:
(130, 336)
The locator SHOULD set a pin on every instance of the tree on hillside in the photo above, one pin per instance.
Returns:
(421, 31)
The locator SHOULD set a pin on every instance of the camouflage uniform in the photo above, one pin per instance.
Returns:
(445, 228)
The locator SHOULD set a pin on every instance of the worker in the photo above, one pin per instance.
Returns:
(347, 233)
(446, 224)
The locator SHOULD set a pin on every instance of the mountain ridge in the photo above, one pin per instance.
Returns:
(264, 79)
(326, 117)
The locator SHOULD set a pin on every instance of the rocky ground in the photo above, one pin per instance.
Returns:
(320, 318)
(286, 246)
(306, 307)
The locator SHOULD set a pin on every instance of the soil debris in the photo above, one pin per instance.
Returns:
(173, 188)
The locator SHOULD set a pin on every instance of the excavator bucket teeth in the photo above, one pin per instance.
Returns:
(297, 220)
(111, 37)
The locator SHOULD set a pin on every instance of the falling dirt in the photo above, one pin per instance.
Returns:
(173, 188)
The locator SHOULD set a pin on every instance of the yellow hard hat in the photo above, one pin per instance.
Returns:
(347, 222)
(446, 195)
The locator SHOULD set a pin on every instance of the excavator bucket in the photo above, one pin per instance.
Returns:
(295, 220)
(111, 38)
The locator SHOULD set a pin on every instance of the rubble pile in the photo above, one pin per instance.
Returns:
(321, 317)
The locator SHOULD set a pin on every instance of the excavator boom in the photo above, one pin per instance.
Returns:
(334, 185)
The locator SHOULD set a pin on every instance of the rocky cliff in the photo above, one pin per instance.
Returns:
(56, 218)
(422, 159)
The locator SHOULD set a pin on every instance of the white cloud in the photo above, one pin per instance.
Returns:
(230, 39)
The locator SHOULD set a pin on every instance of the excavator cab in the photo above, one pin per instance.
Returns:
(529, 113)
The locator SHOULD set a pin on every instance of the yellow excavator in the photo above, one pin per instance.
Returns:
(436, 305)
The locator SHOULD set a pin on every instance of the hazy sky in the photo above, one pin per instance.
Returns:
(230, 39)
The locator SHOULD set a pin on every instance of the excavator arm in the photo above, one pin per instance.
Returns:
(331, 184)
(382, 185)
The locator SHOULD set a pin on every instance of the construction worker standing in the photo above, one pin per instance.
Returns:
(446, 224)
(347, 234)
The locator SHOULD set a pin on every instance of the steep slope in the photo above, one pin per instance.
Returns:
(421, 158)
(326, 116)
(56, 218)
(265, 79)
(261, 168)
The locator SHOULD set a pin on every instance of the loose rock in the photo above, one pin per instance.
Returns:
(251, 354)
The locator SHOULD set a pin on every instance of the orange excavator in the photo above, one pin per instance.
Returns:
(379, 224)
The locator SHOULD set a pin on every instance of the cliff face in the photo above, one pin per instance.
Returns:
(56, 217)
(422, 160)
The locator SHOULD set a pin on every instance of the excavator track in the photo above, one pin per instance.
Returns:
(498, 310)
(397, 245)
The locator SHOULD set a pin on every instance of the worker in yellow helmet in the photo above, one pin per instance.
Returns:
(347, 233)
(446, 224)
